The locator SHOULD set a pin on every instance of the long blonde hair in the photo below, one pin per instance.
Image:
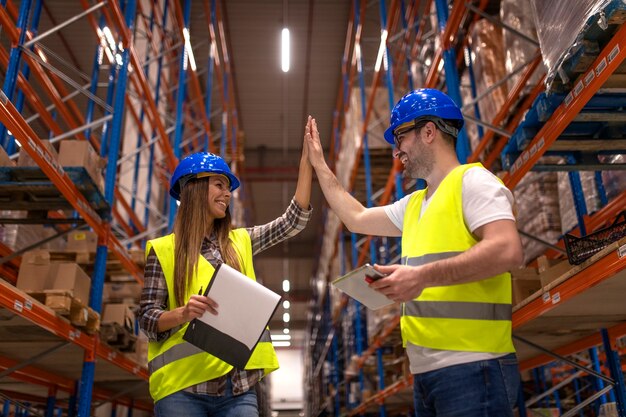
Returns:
(191, 225)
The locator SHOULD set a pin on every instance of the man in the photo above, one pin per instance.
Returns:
(458, 240)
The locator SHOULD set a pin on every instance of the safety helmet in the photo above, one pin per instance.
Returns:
(197, 164)
(425, 103)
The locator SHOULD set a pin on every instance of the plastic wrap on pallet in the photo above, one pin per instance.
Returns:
(560, 29)
(538, 214)
(488, 56)
(614, 181)
(567, 209)
(518, 15)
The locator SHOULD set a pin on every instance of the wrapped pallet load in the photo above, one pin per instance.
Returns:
(567, 207)
(488, 61)
(517, 14)
(561, 26)
(536, 197)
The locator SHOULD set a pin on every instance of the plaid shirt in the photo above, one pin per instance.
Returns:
(154, 295)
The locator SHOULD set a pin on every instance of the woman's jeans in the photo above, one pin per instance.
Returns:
(477, 389)
(187, 404)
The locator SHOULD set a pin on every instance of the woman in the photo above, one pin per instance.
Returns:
(183, 380)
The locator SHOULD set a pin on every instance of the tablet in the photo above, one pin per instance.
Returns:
(356, 285)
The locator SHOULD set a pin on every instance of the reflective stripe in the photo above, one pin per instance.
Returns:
(428, 258)
(183, 350)
(458, 310)
(176, 352)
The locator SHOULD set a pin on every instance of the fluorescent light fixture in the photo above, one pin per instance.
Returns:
(286, 285)
(281, 344)
(286, 330)
(281, 337)
(382, 49)
(192, 60)
(286, 317)
(284, 50)
(286, 304)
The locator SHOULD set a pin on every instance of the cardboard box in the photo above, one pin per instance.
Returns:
(5, 161)
(121, 314)
(82, 241)
(71, 277)
(79, 153)
(34, 273)
(550, 270)
(24, 159)
(122, 291)
(524, 283)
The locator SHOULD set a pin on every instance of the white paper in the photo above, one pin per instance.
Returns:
(245, 306)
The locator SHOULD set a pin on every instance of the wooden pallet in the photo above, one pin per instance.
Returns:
(64, 304)
(118, 336)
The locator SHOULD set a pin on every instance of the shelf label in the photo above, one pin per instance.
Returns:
(621, 251)
(28, 304)
(579, 88)
(3, 97)
(601, 66)
(541, 143)
(568, 99)
(614, 52)
(112, 355)
(589, 78)
(556, 298)
(546, 296)
(18, 306)
(525, 157)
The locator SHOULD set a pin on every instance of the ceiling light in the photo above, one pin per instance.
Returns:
(281, 344)
(286, 285)
(284, 61)
(286, 317)
(192, 60)
(286, 304)
(381, 51)
(286, 330)
(281, 337)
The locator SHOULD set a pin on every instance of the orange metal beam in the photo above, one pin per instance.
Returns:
(494, 154)
(605, 64)
(511, 99)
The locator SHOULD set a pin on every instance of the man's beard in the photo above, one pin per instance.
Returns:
(419, 168)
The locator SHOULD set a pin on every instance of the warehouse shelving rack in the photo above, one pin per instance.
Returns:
(119, 227)
(601, 276)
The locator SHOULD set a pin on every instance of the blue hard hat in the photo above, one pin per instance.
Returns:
(198, 163)
(421, 103)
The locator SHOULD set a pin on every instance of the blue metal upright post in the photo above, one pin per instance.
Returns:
(34, 26)
(452, 79)
(595, 364)
(470, 69)
(209, 91)
(95, 298)
(180, 99)
(10, 77)
(613, 362)
(142, 113)
(578, 195)
(51, 401)
(93, 87)
(157, 93)
(6, 408)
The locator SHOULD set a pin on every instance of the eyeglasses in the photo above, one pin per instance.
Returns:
(399, 135)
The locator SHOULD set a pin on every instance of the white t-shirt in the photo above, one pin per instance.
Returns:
(485, 199)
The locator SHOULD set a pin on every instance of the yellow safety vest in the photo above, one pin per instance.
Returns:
(175, 364)
(471, 317)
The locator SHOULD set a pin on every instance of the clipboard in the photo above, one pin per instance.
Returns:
(245, 309)
(356, 284)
